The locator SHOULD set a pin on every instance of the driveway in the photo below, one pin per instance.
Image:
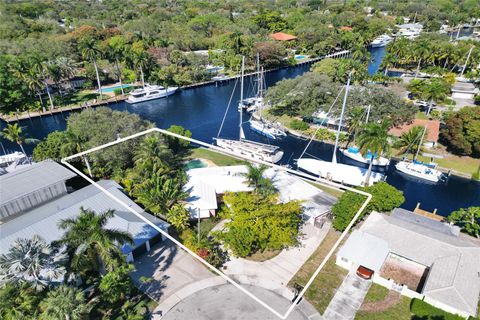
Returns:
(225, 302)
(170, 269)
(348, 298)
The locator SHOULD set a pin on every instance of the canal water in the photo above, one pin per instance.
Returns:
(201, 111)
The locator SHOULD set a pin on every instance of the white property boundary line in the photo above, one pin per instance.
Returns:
(212, 147)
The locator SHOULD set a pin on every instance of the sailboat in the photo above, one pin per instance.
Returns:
(355, 154)
(260, 125)
(245, 148)
(417, 169)
(341, 173)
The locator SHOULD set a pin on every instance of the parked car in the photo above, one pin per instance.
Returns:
(364, 273)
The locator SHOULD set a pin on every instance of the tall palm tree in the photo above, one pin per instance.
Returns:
(14, 133)
(141, 61)
(37, 65)
(435, 90)
(91, 51)
(152, 151)
(255, 179)
(409, 140)
(116, 50)
(30, 261)
(75, 145)
(91, 246)
(65, 303)
(31, 78)
(356, 121)
(374, 138)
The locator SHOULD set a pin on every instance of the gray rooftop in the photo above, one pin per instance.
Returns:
(32, 178)
(454, 278)
(43, 220)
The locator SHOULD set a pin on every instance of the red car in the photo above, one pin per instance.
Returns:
(364, 273)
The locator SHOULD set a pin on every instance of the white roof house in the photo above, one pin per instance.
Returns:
(453, 280)
(43, 220)
(206, 183)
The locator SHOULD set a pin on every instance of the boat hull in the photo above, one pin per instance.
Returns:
(338, 172)
(378, 162)
(419, 171)
(251, 150)
(163, 94)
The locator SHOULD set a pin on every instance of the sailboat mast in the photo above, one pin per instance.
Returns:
(258, 75)
(368, 113)
(334, 157)
(241, 99)
(466, 61)
(420, 144)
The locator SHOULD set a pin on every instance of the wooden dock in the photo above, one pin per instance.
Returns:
(431, 215)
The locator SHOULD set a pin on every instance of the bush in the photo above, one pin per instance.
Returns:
(117, 91)
(428, 312)
(384, 199)
(325, 135)
(296, 124)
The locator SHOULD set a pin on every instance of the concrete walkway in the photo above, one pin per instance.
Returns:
(278, 271)
(170, 269)
(348, 298)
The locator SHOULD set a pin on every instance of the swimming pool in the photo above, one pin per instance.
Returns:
(195, 163)
(300, 56)
(111, 89)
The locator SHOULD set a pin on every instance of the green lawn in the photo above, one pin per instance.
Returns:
(400, 311)
(376, 293)
(466, 165)
(216, 157)
(328, 280)
(77, 98)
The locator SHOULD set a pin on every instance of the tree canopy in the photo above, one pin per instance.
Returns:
(461, 132)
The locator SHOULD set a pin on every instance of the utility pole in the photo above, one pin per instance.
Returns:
(198, 216)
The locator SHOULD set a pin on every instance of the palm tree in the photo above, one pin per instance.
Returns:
(116, 50)
(409, 140)
(355, 122)
(91, 51)
(91, 246)
(160, 193)
(255, 179)
(153, 151)
(141, 61)
(178, 216)
(435, 90)
(30, 261)
(374, 138)
(75, 145)
(14, 133)
(388, 61)
(65, 303)
(31, 78)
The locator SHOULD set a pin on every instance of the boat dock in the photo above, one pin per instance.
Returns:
(431, 215)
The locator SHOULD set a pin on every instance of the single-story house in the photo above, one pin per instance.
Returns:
(41, 191)
(208, 185)
(449, 260)
(464, 90)
(431, 137)
(280, 36)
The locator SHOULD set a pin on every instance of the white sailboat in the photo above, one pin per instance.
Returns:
(341, 173)
(355, 154)
(245, 148)
(420, 170)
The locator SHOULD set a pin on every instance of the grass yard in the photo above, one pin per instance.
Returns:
(77, 98)
(376, 293)
(328, 280)
(400, 311)
(217, 158)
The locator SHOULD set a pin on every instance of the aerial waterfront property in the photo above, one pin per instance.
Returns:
(129, 188)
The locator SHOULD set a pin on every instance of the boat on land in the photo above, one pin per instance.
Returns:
(243, 147)
(150, 92)
(420, 170)
(381, 41)
(337, 172)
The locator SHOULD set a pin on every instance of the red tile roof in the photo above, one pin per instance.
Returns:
(280, 36)
(346, 28)
(433, 128)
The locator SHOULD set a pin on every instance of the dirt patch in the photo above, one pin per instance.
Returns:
(404, 272)
(390, 300)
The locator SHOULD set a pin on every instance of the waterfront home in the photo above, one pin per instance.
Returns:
(35, 199)
(431, 137)
(280, 36)
(419, 257)
(208, 185)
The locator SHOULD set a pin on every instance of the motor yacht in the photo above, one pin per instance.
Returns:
(381, 41)
(150, 92)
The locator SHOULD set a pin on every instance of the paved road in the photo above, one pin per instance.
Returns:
(348, 298)
(225, 302)
(171, 269)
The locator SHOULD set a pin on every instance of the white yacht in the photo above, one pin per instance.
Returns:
(420, 170)
(245, 148)
(150, 92)
(381, 41)
(266, 129)
(338, 172)
(251, 149)
(355, 154)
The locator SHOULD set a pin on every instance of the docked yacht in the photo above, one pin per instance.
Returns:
(355, 154)
(381, 41)
(246, 148)
(425, 171)
(150, 92)
(266, 129)
(251, 149)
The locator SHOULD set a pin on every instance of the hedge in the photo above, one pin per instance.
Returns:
(428, 312)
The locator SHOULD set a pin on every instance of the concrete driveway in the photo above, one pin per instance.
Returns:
(171, 269)
(348, 298)
(225, 302)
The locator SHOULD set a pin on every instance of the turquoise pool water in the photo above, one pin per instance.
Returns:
(111, 89)
(194, 164)
(300, 56)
